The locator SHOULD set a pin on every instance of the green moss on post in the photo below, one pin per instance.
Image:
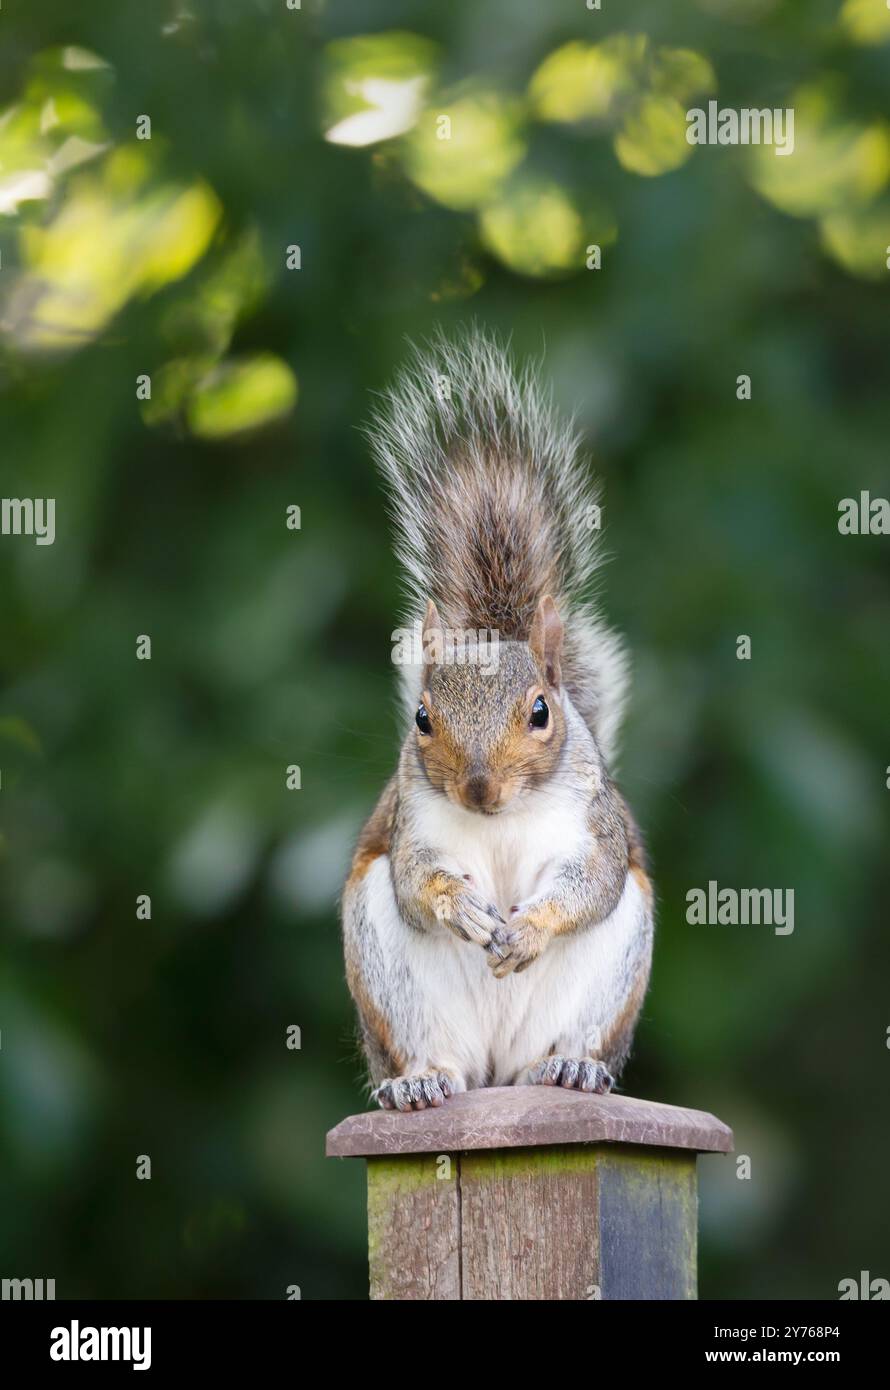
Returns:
(413, 1229)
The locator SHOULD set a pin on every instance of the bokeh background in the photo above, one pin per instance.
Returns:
(274, 128)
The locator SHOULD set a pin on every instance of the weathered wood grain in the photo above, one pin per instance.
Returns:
(413, 1228)
(528, 1116)
(648, 1218)
(529, 1224)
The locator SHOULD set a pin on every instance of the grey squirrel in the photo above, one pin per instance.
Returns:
(498, 915)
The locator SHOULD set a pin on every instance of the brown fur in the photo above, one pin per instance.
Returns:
(637, 859)
(376, 1034)
(494, 576)
(376, 834)
(617, 1042)
(373, 841)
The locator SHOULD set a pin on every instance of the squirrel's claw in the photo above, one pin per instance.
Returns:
(427, 1090)
(518, 948)
(572, 1073)
(470, 917)
(498, 947)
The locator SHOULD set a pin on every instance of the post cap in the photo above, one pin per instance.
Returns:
(510, 1117)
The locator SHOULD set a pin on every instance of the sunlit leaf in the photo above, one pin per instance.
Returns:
(837, 162)
(653, 138)
(24, 186)
(49, 116)
(241, 395)
(73, 153)
(682, 73)
(128, 169)
(100, 250)
(65, 111)
(374, 86)
(589, 80)
(537, 228)
(461, 152)
(183, 226)
(66, 87)
(204, 318)
(866, 21)
(20, 136)
(859, 239)
(81, 59)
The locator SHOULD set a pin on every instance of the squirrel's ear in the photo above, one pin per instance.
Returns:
(433, 635)
(545, 639)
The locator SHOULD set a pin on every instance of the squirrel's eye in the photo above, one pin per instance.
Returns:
(422, 720)
(540, 714)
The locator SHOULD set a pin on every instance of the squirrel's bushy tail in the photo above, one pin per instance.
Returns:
(494, 508)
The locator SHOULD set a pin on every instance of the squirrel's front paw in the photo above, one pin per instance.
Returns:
(429, 1088)
(467, 914)
(514, 948)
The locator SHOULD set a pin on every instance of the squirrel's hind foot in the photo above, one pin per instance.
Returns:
(574, 1073)
(429, 1088)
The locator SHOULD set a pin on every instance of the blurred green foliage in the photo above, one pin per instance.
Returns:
(272, 129)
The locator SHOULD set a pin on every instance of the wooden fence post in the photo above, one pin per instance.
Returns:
(532, 1192)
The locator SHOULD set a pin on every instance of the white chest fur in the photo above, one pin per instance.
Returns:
(447, 1008)
(511, 856)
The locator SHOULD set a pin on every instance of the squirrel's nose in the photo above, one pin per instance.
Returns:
(478, 790)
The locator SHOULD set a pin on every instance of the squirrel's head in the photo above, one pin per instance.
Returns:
(486, 730)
